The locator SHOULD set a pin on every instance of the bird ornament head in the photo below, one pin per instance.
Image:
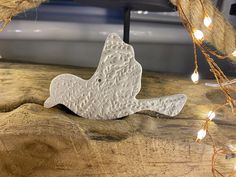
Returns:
(111, 92)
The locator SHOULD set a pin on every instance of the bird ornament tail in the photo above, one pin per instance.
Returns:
(166, 105)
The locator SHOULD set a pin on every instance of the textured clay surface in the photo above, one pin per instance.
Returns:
(111, 92)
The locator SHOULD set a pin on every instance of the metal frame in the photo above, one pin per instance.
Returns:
(126, 31)
(128, 5)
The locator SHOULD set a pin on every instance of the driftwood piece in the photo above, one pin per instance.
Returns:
(36, 142)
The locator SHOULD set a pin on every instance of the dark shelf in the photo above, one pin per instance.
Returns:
(148, 5)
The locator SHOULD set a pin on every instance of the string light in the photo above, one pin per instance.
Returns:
(211, 115)
(234, 53)
(139, 11)
(232, 147)
(201, 134)
(198, 34)
(195, 77)
(207, 21)
(198, 37)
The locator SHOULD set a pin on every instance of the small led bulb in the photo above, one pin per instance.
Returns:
(207, 21)
(234, 53)
(232, 147)
(211, 115)
(139, 11)
(198, 34)
(195, 77)
(201, 134)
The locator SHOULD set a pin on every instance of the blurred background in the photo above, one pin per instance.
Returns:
(65, 32)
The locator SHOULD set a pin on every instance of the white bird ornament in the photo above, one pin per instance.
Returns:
(111, 92)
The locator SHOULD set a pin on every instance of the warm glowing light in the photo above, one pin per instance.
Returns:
(195, 77)
(18, 31)
(201, 134)
(198, 34)
(211, 115)
(139, 11)
(207, 21)
(37, 30)
(234, 53)
(232, 147)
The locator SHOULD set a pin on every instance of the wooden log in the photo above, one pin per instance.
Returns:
(36, 142)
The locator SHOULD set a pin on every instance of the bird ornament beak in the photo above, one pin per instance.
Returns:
(49, 103)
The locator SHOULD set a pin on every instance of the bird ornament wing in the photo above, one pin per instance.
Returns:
(118, 71)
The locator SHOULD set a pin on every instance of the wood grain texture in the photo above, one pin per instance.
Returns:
(38, 142)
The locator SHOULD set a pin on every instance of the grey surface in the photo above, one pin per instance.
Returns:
(159, 40)
(176, 58)
(159, 57)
